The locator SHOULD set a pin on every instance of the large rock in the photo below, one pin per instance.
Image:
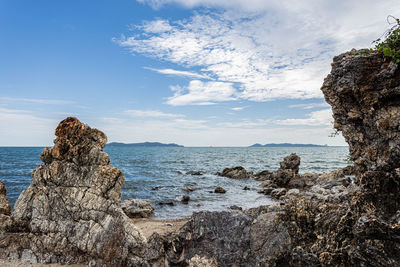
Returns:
(289, 169)
(236, 173)
(5, 207)
(136, 208)
(71, 212)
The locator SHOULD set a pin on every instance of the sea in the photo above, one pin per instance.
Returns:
(170, 170)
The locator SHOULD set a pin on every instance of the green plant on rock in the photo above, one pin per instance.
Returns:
(389, 44)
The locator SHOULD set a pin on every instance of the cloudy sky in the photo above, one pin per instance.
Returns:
(193, 72)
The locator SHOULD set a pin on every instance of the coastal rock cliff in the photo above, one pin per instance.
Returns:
(71, 212)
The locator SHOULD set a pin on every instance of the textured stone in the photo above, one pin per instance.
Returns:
(135, 208)
(5, 207)
(236, 173)
(71, 211)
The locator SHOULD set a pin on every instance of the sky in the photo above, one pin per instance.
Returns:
(191, 72)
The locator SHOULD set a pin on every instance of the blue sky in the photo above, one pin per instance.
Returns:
(194, 72)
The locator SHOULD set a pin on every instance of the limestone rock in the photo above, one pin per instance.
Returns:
(219, 190)
(5, 207)
(135, 208)
(71, 212)
(236, 173)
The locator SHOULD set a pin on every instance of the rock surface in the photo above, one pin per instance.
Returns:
(5, 207)
(219, 190)
(71, 212)
(135, 208)
(236, 173)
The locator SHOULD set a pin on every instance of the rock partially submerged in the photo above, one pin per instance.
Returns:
(236, 173)
(135, 208)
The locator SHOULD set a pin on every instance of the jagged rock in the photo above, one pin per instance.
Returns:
(189, 189)
(277, 193)
(5, 207)
(236, 173)
(291, 162)
(71, 212)
(219, 190)
(263, 176)
(135, 208)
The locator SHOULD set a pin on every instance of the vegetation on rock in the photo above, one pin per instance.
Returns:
(389, 45)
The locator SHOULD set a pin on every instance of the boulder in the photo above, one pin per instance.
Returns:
(185, 199)
(219, 190)
(236, 173)
(135, 208)
(291, 162)
(71, 211)
(5, 207)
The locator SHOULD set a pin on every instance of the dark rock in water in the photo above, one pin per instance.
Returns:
(169, 203)
(5, 207)
(195, 173)
(277, 193)
(185, 199)
(234, 207)
(246, 188)
(219, 190)
(135, 208)
(236, 173)
(189, 189)
(71, 211)
(156, 187)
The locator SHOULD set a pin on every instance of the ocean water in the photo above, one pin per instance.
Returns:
(170, 168)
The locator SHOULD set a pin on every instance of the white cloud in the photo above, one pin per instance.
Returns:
(180, 73)
(238, 108)
(24, 129)
(151, 113)
(316, 118)
(310, 105)
(201, 93)
(35, 100)
(245, 124)
(271, 50)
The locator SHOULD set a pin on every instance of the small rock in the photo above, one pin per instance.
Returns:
(236, 173)
(234, 207)
(195, 173)
(135, 208)
(219, 190)
(293, 191)
(246, 188)
(266, 191)
(277, 193)
(156, 187)
(169, 203)
(189, 189)
(185, 199)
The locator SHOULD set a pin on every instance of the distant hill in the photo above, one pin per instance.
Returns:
(146, 144)
(287, 145)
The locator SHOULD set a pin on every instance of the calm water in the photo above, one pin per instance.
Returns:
(169, 167)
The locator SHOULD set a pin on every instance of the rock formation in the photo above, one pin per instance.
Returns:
(135, 208)
(236, 173)
(71, 212)
(5, 208)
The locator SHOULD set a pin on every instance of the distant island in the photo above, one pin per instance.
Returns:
(146, 144)
(287, 145)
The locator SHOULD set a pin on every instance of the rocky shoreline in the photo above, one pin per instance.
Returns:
(72, 214)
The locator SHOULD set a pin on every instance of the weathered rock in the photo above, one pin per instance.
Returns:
(277, 193)
(5, 207)
(189, 189)
(219, 190)
(195, 173)
(135, 208)
(291, 162)
(236, 173)
(263, 176)
(197, 261)
(71, 212)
